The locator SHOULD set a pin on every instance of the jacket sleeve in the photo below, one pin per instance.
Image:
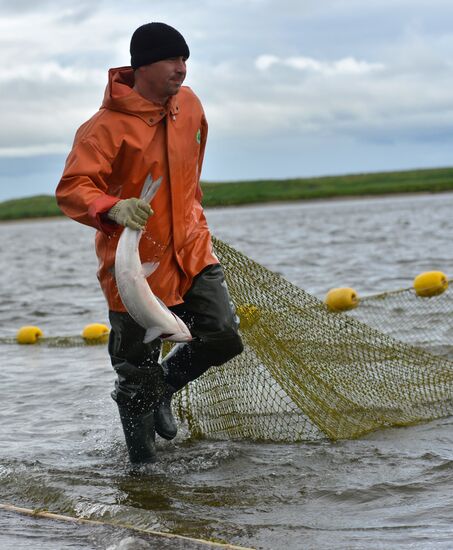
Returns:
(204, 137)
(82, 191)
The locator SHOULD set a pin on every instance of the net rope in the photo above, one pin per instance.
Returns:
(307, 373)
(424, 321)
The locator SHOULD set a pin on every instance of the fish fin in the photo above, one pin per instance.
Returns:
(149, 267)
(150, 188)
(151, 334)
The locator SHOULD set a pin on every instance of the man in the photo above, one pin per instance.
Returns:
(149, 124)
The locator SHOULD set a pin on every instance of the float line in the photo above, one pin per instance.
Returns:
(60, 517)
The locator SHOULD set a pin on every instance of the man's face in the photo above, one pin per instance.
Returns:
(164, 78)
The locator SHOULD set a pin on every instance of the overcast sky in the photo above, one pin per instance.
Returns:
(290, 87)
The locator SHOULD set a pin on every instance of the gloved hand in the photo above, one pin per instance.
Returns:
(132, 213)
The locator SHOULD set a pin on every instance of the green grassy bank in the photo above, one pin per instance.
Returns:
(261, 191)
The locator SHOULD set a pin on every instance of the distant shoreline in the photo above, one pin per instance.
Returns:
(266, 192)
(339, 198)
(342, 198)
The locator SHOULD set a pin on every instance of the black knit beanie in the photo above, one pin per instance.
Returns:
(156, 41)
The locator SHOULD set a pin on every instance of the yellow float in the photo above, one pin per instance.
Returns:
(341, 299)
(430, 283)
(28, 335)
(96, 333)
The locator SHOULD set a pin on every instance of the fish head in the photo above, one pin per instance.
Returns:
(181, 335)
(177, 337)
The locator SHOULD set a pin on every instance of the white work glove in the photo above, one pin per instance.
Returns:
(132, 213)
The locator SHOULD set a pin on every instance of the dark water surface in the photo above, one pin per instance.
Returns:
(61, 444)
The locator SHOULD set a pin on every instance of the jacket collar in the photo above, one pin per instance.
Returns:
(120, 96)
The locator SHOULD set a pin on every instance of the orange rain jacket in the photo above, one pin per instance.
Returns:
(113, 152)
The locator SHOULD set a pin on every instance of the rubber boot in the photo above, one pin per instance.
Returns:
(164, 420)
(139, 433)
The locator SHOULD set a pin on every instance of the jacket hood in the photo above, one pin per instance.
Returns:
(120, 96)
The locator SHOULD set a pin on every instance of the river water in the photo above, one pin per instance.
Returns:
(61, 444)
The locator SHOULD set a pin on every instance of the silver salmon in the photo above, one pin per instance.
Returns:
(138, 299)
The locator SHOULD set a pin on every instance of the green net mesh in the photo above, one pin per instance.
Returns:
(307, 373)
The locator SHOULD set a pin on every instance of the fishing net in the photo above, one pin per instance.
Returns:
(424, 321)
(307, 373)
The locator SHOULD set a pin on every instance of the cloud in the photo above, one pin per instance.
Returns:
(49, 71)
(67, 8)
(34, 150)
(347, 65)
(310, 72)
(402, 95)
